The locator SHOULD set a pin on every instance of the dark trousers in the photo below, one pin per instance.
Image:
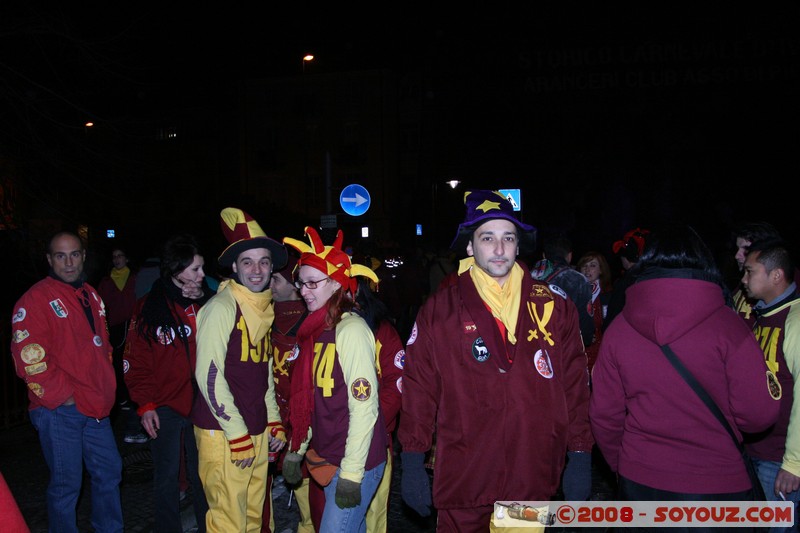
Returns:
(125, 406)
(175, 437)
(628, 490)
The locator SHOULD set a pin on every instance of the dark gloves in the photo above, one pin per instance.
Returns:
(577, 480)
(415, 486)
(291, 468)
(348, 493)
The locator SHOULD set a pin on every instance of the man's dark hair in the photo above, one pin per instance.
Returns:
(756, 231)
(63, 233)
(774, 253)
(556, 246)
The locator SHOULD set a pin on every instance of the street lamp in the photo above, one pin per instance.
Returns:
(445, 207)
(306, 58)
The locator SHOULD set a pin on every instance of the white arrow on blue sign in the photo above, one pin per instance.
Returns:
(354, 200)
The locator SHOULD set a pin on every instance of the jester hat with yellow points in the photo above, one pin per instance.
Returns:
(330, 260)
(484, 205)
(243, 233)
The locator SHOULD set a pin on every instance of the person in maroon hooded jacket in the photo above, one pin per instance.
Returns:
(495, 366)
(652, 428)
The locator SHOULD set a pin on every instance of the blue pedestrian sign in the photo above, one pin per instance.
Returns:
(354, 199)
(514, 197)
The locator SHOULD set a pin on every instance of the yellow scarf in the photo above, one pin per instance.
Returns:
(256, 307)
(120, 276)
(503, 301)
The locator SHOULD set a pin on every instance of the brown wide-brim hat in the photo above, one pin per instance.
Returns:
(243, 233)
(483, 206)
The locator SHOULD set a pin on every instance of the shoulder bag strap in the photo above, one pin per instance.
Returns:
(701, 392)
(758, 491)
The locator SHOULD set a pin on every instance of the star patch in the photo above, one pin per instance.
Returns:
(361, 389)
(543, 366)
(538, 291)
(479, 350)
(774, 386)
(32, 353)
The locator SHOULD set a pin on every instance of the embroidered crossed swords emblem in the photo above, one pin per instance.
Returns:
(541, 322)
(280, 366)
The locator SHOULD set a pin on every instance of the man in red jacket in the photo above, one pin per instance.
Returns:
(61, 349)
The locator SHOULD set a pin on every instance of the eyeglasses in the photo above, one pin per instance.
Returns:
(309, 284)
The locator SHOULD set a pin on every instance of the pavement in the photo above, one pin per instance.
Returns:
(23, 466)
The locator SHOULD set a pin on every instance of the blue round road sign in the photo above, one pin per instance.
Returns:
(354, 200)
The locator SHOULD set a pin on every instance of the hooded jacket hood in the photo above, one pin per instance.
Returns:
(663, 306)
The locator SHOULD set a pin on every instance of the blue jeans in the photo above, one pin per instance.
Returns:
(353, 519)
(166, 450)
(767, 472)
(69, 441)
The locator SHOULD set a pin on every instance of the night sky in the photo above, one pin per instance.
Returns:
(606, 117)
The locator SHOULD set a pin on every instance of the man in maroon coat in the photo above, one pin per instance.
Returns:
(496, 367)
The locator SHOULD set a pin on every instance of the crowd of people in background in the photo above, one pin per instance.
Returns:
(326, 368)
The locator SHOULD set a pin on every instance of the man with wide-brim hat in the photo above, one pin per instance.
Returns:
(490, 205)
(236, 408)
(495, 365)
